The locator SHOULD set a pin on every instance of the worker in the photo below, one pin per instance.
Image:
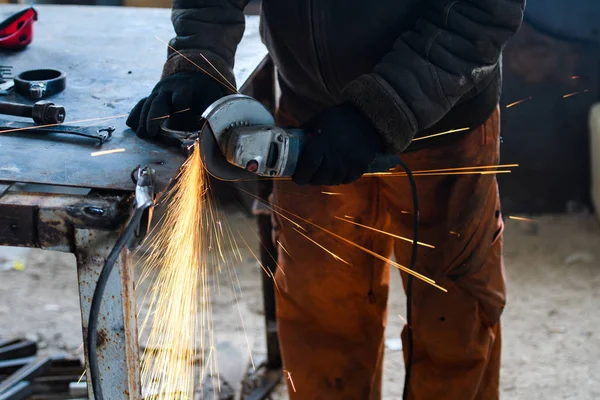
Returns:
(368, 77)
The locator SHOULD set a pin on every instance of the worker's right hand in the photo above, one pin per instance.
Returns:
(181, 97)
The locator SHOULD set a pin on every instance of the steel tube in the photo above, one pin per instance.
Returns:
(42, 112)
(16, 109)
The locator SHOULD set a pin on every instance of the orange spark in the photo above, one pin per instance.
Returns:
(517, 102)
(335, 256)
(266, 249)
(284, 249)
(105, 152)
(574, 93)
(289, 377)
(351, 243)
(455, 233)
(269, 274)
(376, 255)
(229, 268)
(218, 72)
(441, 133)
(470, 170)
(465, 173)
(236, 299)
(386, 233)
(332, 193)
(227, 84)
(575, 77)
(521, 219)
(348, 216)
(466, 168)
(167, 116)
(176, 256)
(274, 208)
(415, 174)
(403, 319)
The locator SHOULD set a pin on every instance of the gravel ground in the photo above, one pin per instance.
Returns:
(551, 345)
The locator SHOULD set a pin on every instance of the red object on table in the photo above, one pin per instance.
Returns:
(16, 32)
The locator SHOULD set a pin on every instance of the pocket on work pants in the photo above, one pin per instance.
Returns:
(487, 281)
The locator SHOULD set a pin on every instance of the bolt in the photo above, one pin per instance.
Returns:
(36, 90)
(45, 112)
(279, 138)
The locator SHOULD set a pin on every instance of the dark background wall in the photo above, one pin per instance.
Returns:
(556, 53)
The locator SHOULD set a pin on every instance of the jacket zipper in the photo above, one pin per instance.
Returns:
(313, 26)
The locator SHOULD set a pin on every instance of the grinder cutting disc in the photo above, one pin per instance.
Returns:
(228, 113)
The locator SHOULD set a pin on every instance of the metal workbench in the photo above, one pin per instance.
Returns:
(54, 195)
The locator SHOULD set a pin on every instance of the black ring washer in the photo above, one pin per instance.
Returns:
(52, 82)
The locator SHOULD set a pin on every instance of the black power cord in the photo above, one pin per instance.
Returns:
(92, 333)
(144, 193)
(409, 280)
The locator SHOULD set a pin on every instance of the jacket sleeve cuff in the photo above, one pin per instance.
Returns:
(192, 61)
(392, 118)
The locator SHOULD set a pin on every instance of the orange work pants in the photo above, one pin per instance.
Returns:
(332, 297)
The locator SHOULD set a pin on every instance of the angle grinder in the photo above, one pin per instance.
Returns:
(240, 140)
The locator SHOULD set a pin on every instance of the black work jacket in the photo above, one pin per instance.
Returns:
(413, 67)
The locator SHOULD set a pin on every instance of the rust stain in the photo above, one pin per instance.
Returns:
(102, 337)
(130, 321)
(53, 232)
(54, 223)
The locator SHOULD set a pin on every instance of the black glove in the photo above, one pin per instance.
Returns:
(340, 145)
(190, 91)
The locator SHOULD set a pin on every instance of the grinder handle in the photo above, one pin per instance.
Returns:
(381, 162)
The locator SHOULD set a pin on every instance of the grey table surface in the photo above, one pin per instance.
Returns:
(112, 59)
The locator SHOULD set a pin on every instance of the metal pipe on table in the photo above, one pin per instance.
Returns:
(42, 112)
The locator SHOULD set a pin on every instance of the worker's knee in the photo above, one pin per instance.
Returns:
(459, 324)
(483, 277)
(456, 327)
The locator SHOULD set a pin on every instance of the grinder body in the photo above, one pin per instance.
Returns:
(264, 150)
(242, 138)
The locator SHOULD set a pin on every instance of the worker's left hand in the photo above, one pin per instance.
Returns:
(340, 145)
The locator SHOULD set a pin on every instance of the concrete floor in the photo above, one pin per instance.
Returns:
(551, 346)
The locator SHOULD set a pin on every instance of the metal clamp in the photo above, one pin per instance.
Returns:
(144, 178)
(185, 139)
(144, 187)
(39, 83)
